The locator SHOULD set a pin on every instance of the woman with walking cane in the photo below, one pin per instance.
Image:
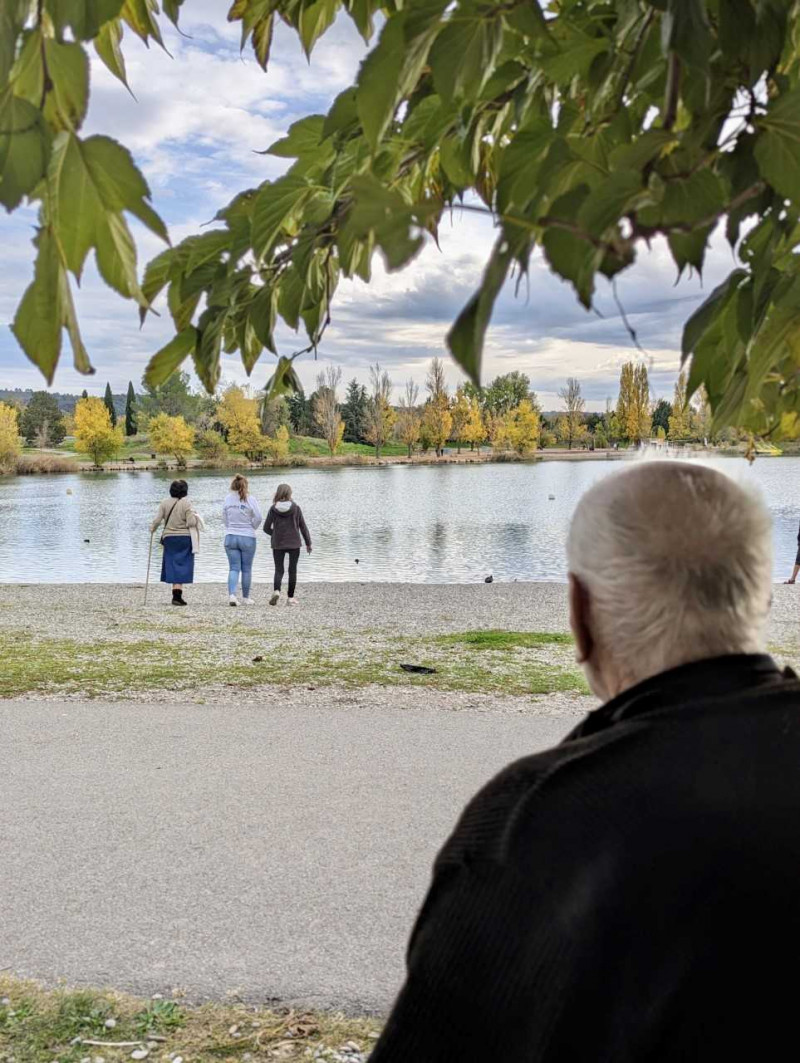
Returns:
(180, 538)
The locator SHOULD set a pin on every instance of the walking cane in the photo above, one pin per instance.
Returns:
(149, 555)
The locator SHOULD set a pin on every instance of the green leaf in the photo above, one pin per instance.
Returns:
(107, 44)
(643, 150)
(688, 200)
(12, 19)
(38, 321)
(290, 297)
(304, 137)
(520, 163)
(575, 58)
(119, 183)
(116, 257)
(777, 146)
(284, 381)
(208, 349)
(83, 219)
(384, 214)
(140, 16)
(394, 66)
(465, 339)
(206, 247)
(704, 315)
(165, 361)
(66, 102)
(262, 310)
(769, 345)
(343, 114)
(609, 201)
(572, 257)
(314, 20)
(361, 12)
(685, 31)
(456, 160)
(84, 17)
(172, 9)
(274, 208)
(156, 276)
(464, 54)
(24, 149)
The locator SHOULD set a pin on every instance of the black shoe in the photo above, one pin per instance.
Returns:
(178, 599)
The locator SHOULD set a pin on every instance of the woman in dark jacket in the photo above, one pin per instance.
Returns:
(287, 528)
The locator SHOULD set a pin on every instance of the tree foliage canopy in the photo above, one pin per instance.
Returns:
(585, 128)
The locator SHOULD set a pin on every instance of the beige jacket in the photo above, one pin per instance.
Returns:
(181, 519)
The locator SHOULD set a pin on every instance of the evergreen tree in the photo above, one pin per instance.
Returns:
(662, 414)
(355, 412)
(131, 417)
(84, 394)
(42, 422)
(173, 397)
(108, 400)
(300, 414)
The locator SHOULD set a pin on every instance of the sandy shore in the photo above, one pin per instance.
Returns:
(103, 641)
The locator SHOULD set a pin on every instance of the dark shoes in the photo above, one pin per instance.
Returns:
(178, 599)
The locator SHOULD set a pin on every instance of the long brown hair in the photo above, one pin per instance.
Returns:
(239, 484)
(283, 494)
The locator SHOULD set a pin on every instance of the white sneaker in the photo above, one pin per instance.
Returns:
(248, 601)
(232, 599)
(292, 601)
(276, 597)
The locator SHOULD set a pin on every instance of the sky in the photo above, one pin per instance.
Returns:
(200, 115)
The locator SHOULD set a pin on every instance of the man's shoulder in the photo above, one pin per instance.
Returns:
(489, 823)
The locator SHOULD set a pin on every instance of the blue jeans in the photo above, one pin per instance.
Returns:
(241, 549)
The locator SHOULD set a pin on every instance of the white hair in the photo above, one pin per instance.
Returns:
(677, 562)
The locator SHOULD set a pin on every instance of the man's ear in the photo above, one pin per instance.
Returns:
(580, 618)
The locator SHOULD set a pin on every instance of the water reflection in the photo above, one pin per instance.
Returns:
(434, 524)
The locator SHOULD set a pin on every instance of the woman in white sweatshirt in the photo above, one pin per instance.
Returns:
(242, 516)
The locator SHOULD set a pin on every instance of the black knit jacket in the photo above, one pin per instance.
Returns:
(631, 895)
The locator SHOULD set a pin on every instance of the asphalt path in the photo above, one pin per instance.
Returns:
(279, 852)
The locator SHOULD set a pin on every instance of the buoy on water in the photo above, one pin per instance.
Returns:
(551, 497)
(69, 490)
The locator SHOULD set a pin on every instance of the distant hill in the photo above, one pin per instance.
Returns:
(66, 402)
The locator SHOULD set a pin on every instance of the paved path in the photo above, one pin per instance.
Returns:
(276, 851)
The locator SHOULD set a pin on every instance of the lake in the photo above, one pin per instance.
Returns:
(417, 524)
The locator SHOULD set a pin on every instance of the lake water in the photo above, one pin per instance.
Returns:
(418, 524)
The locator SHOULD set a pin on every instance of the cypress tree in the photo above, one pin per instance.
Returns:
(131, 420)
(84, 394)
(108, 399)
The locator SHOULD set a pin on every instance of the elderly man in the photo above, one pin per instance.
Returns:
(634, 893)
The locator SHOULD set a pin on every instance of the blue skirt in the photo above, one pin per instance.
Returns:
(177, 563)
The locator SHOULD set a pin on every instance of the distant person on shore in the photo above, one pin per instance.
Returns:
(287, 529)
(632, 894)
(242, 516)
(180, 538)
(796, 569)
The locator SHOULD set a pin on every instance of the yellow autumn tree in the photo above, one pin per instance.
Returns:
(679, 419)
(460, 415)
(278, 445)
(94, 433)
(171, 435)
(519, 429)
(474, 431)
(238, 414)
(10, 445)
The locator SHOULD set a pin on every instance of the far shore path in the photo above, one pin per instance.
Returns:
(173, 818)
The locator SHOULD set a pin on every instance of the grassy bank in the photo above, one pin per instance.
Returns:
(192, 656)
(41, 1026)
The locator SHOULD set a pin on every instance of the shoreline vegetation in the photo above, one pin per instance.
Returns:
(169, 427)
(64, 462)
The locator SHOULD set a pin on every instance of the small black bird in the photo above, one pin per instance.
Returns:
(86, 540)
(489, 579)
(356, 560)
